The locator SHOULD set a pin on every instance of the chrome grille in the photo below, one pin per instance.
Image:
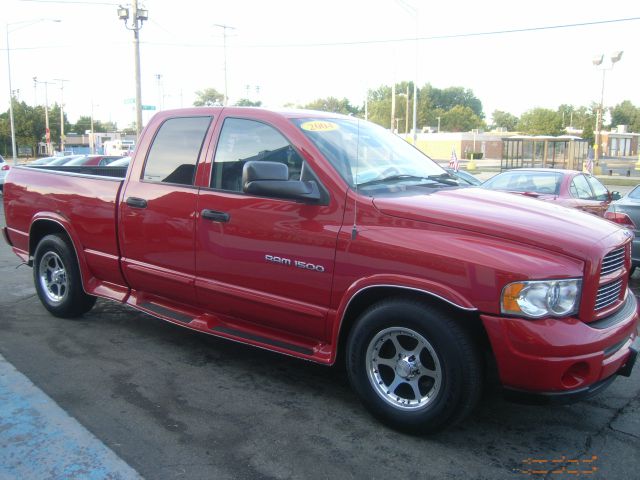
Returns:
(608, 294)
(612, 261)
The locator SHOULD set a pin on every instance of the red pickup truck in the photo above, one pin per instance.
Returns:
(325, 237)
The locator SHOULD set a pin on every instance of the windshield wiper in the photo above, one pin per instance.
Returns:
(392, 178)
(445, 179)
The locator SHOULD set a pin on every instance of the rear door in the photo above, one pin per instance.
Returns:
(158, 209)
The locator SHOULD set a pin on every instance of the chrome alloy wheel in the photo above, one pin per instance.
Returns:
(403, 368)
(53, 277)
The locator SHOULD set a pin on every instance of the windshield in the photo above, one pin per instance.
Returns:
(366, 154)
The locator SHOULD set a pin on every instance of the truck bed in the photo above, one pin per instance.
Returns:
(82, 200)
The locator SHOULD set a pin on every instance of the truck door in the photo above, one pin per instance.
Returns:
(266, 261)
(157, 212)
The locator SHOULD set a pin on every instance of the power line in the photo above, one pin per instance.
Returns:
(449, 36)
(358, 42)
(71, 2)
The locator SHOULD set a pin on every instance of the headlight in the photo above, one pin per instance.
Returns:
(536, 299)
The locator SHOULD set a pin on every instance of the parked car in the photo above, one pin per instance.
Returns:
(122, 162)
(43, 161)
(626, 212)
(568, 188)
(4, 169)
(64, 160)
(463, 177)
(94, 160)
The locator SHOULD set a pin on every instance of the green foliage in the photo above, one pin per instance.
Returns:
(626, 113)
(209, 97)
(504, 120)
(332, 104)
(83, 124)
(457, 107)
(541, 121)
(245, 102)
(450, 97)
(460, 119)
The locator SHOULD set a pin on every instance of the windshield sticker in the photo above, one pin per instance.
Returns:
(317, 126)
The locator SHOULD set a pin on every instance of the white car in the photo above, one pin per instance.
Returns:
(4, 169)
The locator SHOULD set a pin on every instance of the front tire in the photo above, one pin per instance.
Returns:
(57, 278)
(413, 367)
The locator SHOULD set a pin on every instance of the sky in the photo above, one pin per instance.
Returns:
(293, 52)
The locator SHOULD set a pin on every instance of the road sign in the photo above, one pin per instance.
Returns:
(148, 107)
(129, 100)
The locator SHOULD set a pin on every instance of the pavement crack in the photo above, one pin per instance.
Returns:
(588, 442)
(18, 301)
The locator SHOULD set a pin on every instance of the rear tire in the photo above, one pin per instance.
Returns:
(57, 278)
(413, 367)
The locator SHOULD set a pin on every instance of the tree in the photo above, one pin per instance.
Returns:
(450, 97)
(245, 102)
(626, 113)
(504, 120)
(334, 105)
(209, 97)
(460, 119)
(83, 124)
(541, 121)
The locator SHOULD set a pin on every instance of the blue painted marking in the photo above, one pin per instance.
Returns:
(39, 440)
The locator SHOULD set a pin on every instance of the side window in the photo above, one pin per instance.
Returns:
(174, 153)
(247, 140)
(600, 190)
(580, 188)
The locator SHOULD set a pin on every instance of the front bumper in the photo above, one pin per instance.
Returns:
(556, 357)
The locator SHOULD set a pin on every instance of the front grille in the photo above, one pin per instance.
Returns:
(612, 261)
(608, 294)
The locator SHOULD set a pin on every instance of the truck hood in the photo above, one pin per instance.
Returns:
(514, 217)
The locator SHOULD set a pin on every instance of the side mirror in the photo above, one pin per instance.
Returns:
(615, 195)
(271, 179)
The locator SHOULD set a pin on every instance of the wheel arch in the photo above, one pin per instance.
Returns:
(467, 317)
(42, 226)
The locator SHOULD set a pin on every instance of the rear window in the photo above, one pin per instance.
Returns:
(519, 181)
(175, 150)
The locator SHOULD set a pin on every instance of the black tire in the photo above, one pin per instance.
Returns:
(633, 269)
(436, 388)
(57, 278)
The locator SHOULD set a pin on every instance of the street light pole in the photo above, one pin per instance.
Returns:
(13, 128)
(138, 17)
(61, 80)
(597, 61)
(14, 149)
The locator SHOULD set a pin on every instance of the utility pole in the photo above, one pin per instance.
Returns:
(406, 111)
(61, 80)
(47, 134)
(92, 139)
(138, 17)
(393, 105)
(224, 44)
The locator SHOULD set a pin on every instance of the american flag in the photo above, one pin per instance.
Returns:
(453, 163)
(588, 166)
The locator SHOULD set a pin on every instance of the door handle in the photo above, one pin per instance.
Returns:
(215, 216)
(136, 202)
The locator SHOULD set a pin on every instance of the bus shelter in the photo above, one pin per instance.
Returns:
(565, 151)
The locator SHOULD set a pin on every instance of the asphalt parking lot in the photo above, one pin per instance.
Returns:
(176, 404)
